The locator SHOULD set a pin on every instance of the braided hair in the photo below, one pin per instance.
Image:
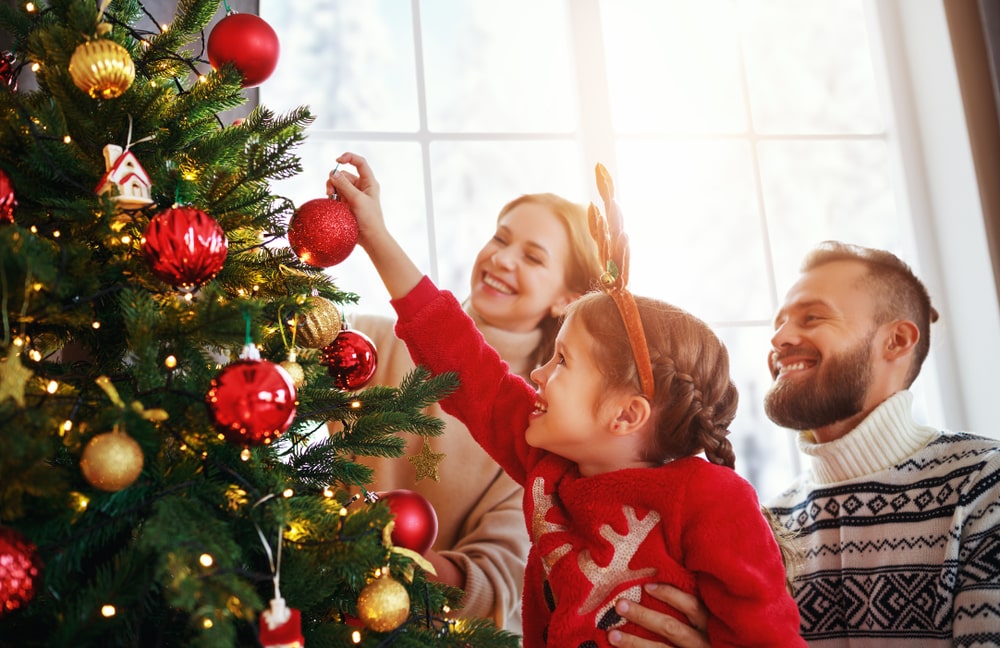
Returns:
(695, 399)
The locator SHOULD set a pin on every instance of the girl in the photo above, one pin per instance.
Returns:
(540, 259)
(614, 496)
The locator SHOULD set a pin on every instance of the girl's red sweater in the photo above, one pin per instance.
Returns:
(598, 539)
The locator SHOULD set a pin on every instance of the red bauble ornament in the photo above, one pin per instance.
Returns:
(7, 200)
(416, 525)
(252, 401)
(247, 42)
(185, 247)
(7, 76)
(323, 232)
(20, 567)
(351, 359)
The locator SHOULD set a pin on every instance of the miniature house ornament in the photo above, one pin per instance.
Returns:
(125, 179)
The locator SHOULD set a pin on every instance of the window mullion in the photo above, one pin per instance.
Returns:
(597, 138)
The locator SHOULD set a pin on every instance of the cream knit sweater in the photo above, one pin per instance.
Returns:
(480, 518)
(900, 527)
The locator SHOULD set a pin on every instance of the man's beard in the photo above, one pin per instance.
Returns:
(836, 393)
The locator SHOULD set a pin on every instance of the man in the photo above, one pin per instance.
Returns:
(899, 524)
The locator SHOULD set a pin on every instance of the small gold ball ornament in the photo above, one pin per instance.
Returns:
(294, 370)
(111, 461)
(384, 604)
(319, 325)
(102, 68)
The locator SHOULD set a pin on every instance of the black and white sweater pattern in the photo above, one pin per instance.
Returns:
(900, 529)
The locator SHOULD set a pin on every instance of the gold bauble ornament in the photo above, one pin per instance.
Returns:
(294, 370)
(102, 68)
(111, 461)
(319, 325)
(384, 604)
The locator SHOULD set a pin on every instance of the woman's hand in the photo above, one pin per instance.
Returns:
(677, 632)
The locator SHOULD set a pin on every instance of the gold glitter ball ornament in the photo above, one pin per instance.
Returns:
(384, 604)
(102, 68)
(294, 370)
(111, 461)
(320, 325)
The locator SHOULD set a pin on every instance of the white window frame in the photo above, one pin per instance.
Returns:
(937, 187)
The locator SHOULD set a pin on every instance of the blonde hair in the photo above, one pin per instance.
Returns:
(792, 554)
(583, 268)
(694, 398)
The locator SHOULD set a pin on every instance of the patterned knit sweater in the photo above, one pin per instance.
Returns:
(596, 539)
(901, 529)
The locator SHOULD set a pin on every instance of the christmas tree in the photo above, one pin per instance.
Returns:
(167, 361)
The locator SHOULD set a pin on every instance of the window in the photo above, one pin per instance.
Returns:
(740, 133)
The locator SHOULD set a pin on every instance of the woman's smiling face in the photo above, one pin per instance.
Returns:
(519, 276)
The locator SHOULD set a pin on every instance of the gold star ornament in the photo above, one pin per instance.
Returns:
(13, 376)
(426, 463)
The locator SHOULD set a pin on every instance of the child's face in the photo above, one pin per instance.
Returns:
(520, 275)
(574, 411)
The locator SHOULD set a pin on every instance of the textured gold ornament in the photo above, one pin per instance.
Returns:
(111, 461)
(13, 376)
(426, 462)
(294, 370)
(384, 604)
(318, 327)
(102, 68)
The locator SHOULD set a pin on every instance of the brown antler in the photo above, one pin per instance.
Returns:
(609, 233)
(612, 245)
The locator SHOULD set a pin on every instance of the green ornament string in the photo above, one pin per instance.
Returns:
(250, 351)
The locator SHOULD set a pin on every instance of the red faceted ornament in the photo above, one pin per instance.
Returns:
(7, 200)
(416, 524)
(7, 76)
(351, 359)
(323, 232)
(252, 401)
(185, 247)
(20, 569)
(247, 42)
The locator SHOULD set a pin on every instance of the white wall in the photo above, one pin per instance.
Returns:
(939, 188)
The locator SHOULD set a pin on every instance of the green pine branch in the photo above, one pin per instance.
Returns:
(178, 555)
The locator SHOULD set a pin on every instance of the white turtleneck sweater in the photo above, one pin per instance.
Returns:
(900, 528)
(480, 516)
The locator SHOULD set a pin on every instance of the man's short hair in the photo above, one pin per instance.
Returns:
(898, 293)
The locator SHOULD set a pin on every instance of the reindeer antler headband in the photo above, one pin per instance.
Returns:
(612, 245)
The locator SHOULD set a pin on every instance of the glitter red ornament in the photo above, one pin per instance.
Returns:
(323, 232)
(20, 569)
(416, 524)
(252, 401)
(351, 359)
(185, 247)
(7, 71)
(247, 42)
(7, 200)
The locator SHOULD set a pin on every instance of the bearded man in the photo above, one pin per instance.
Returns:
(898, 523)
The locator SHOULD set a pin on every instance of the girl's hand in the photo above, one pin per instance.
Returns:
(362, 194)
